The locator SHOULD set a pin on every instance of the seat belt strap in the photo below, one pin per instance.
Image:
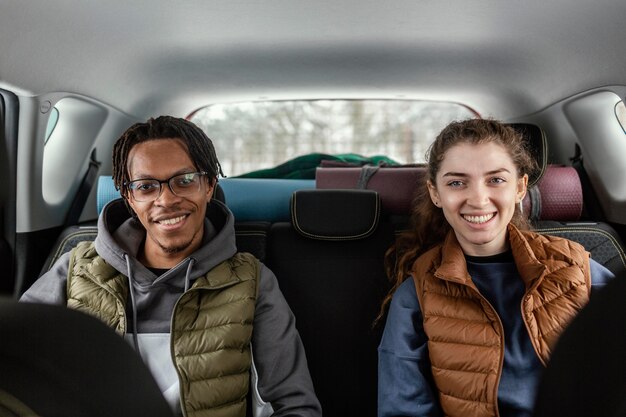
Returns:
(83, 191)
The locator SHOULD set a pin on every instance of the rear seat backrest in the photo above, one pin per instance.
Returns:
(67, 240)
(329, 264)
(599, 239)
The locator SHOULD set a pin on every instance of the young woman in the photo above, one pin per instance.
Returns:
(478, 301)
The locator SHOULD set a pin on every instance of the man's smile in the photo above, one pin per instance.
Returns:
(172, 221)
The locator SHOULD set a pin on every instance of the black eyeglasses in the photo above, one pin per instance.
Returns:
(149, 189)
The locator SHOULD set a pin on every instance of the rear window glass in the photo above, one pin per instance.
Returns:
(620, 112)
(52, 123)
(258, 135)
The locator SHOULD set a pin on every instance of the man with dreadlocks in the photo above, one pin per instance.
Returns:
(164, 272)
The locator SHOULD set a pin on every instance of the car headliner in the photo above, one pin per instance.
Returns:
(503, 58)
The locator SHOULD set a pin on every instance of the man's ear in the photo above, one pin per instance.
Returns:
(212, 183)
(129, 205)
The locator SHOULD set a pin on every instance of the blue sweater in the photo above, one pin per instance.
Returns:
(405, 386)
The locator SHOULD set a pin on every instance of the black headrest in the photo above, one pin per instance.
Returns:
(592, 345)
(335, 214)
(537, 145)
(59, 362)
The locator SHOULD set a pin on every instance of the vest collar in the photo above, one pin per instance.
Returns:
(219, 277)
(530, 269)
(454, 268)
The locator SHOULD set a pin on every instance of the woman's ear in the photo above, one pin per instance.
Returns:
(522, 187)
(434, 195)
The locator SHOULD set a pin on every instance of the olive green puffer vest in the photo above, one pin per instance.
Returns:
(465, 334)
(211, 326)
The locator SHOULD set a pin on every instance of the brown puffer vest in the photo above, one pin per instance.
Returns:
(465, 335)
(211, 326)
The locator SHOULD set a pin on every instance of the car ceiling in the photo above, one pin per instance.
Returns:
(503, 58)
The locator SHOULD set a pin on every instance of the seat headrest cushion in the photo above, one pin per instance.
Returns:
(335, 214)
(558, 196)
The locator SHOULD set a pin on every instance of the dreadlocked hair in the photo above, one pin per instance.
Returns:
(199, 146)
(428, 226)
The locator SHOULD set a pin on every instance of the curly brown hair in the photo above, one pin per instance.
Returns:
(428, 226)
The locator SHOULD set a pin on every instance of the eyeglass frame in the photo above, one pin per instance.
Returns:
(167, 181)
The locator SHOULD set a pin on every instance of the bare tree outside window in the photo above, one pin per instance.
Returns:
(258, 135)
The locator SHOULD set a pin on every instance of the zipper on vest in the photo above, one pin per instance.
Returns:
(174, 314)
(172, 353)
(533, 341)
(501, 361)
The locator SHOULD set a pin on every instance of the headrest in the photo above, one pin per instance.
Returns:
(537, 144)
(395, 185)
(47, 362)
(558, 196)
(335, 214)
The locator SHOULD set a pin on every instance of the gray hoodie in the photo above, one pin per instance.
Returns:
(281, 384)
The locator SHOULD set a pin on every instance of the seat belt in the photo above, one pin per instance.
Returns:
(591, 207)
(83, 191)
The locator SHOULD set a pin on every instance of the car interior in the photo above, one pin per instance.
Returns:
(259, 77)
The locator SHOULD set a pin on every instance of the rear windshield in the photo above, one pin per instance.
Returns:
(258, 135)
